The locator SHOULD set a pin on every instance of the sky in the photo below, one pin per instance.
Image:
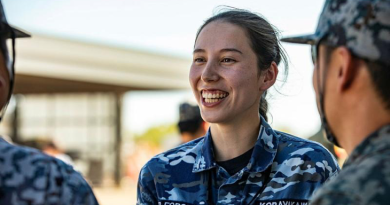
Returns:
(169, 27)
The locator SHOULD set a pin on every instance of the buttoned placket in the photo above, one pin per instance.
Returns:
(205, 161)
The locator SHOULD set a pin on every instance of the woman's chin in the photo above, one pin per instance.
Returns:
(214, 118)
(211, 119)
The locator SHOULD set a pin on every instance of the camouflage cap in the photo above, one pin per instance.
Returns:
(361, 25)
(6, 29)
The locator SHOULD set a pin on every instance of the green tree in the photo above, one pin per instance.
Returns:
(155, 135)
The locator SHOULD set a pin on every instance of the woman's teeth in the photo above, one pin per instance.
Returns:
(212, 97)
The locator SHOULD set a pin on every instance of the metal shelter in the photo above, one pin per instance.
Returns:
(49, 65)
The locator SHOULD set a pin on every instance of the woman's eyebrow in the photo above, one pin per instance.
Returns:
(231, 50)
(199, 50)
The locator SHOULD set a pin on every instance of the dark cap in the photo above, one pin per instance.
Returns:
(6, 29)
(188, 112)
(363, 26)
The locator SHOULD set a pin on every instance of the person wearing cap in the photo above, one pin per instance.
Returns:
(27, 176)
(191, 124)
(351, 55)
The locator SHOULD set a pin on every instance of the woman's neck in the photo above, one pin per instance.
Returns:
(234, 139)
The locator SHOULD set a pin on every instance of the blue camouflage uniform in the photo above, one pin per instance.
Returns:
(29, 177)
(283, 169)
(365, 178)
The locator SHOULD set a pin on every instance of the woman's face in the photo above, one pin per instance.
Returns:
(224, 75)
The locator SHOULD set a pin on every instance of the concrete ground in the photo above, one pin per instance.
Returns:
(125, 195)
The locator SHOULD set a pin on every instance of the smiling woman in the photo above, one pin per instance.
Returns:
(226, 64)
(241, 160)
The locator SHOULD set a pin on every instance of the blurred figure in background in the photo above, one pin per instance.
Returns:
(191, 125)
(27, 175)
(50, 148)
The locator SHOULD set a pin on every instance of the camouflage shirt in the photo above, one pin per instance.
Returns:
(365, 178)
(29, 177)
(283, 169)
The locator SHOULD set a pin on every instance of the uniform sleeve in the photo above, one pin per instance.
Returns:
(335, 169)
(146, 190)
(326, 163)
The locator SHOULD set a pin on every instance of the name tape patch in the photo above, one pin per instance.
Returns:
(284, 202)
(275, 202)
(172, 203)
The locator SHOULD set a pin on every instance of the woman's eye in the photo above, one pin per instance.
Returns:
(198, 60)
(228, 60)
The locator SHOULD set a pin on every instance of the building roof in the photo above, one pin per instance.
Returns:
(49, 65)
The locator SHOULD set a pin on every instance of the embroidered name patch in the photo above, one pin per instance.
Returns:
(284, 202)
(172, 203)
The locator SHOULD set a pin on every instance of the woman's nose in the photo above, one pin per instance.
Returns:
(210, 72)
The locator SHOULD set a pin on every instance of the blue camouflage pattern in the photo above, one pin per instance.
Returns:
(363, 26)
(288, 170)
(365, 178)
(29, 177)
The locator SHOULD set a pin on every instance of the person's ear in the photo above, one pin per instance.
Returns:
(347, 67)
(268, 77)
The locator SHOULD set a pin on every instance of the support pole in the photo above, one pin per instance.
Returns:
(118, 138)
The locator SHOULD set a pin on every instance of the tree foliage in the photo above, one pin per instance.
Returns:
(156, 135)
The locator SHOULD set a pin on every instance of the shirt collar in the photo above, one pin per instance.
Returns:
(204, 154)
(373, 144)
(262, 157)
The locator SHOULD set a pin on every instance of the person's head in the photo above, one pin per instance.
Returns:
(350, 50)
(49, 147)
(7, 73)
(191, 124)
(235, 60)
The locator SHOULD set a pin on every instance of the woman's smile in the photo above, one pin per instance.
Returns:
(213, 97)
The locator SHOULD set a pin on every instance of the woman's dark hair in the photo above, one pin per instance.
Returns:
(263, 38)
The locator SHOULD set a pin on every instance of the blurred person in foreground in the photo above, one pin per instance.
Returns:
(29, 177)
(191, 124)
(241, 159)
(351, 55)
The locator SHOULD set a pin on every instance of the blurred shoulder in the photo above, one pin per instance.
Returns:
(30, 175)
(361, 182)
(19, 158)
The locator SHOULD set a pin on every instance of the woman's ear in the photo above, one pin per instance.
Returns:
(268, 77)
